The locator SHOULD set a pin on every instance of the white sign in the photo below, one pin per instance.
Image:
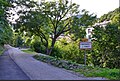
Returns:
(85, 45)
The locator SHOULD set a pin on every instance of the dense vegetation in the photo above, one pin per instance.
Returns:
(48, 20)
(5, 30)
(39, 27)
(106, 49)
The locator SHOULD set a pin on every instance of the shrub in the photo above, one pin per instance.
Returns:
(68, 51)
(38, 47)
(58, 62)
(57, 52)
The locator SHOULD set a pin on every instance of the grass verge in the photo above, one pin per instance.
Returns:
(1, 50)
(112, 74)
(29, 51)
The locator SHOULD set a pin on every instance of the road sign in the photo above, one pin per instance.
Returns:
(84, 40)
(85, 45)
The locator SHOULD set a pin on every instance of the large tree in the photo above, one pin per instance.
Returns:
(48, 20)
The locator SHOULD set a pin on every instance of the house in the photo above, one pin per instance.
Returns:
(67, 37)
(90, 29)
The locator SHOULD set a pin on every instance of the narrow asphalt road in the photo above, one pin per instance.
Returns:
(23, 64)
(9, 70)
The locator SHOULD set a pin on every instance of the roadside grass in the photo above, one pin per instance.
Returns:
(112, 74)
(88, 71)
(29, 51)
(1, 50)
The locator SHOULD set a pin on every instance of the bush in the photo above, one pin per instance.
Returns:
(57, 52)
(58, 62)
(38, 47)
(69, 51)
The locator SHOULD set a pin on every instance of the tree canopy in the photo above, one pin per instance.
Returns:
(109, 16)
(48, 20)
(5, 30)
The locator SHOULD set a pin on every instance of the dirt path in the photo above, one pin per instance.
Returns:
(37, 70)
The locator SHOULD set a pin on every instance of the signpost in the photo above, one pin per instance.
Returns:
(85, 45)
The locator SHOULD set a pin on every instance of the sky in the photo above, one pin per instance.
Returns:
(99, 7)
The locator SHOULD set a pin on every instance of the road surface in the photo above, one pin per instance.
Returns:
(9, 70)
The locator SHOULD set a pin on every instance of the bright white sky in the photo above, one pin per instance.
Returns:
(99, 7)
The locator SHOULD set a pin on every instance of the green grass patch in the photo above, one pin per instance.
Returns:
(112, 74)
(29, 51)
(1, 50)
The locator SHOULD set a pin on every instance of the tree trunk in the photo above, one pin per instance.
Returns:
(52, 46)
(47, 50)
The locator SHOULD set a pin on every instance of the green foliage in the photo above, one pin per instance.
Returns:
(109, 16)
(68, 51)
(105, 51)
(6, 35)
(58, 62)
(57, 52)
(5, 30)
(36, 45)
(107, 47)
(1, 50)
(3, 5)
(111, 74)
(29, 51)
(18, 41)
(80, 23)
(49, 20)
(72, 52)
